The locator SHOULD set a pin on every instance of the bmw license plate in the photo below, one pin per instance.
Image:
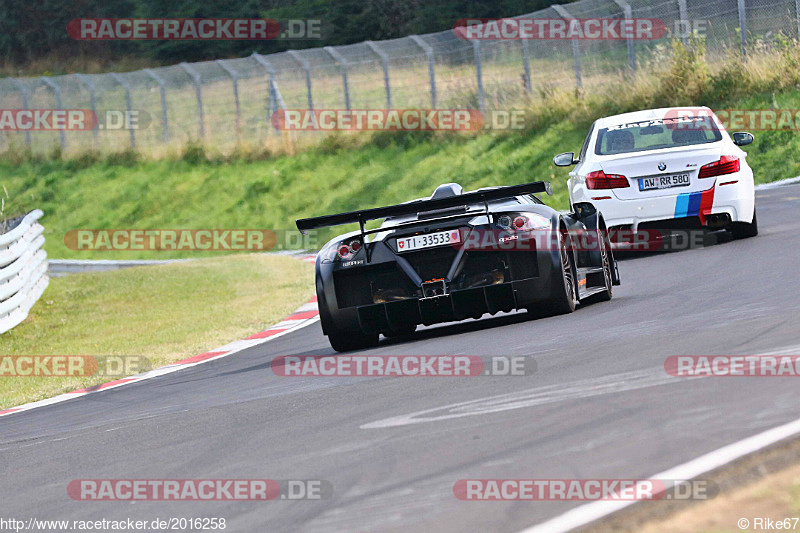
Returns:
(666, 181)
(429, 240)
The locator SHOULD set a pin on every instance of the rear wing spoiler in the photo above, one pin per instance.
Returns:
(418, 206)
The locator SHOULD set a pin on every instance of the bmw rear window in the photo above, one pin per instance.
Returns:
(654, 135)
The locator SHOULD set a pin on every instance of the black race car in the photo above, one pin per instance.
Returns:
(457, 255)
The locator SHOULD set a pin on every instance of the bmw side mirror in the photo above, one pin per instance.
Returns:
(741, 138)
(566, 159)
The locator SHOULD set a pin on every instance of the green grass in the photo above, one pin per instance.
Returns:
(271, 193)
(164, 313)
(774, 496)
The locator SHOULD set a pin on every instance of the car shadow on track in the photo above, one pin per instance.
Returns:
(676, 242)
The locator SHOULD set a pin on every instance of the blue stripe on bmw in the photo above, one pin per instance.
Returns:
(694, 204)
(688, 204)
(682, 205)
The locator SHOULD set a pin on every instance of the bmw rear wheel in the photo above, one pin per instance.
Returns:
(743, 230)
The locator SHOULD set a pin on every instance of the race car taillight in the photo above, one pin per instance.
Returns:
(526, 222)
(346, 251)
(600, 180)
(727, 164)
(341, 251)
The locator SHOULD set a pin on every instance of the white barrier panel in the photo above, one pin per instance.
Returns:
(23, 270)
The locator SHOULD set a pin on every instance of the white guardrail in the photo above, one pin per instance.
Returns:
(23, 270)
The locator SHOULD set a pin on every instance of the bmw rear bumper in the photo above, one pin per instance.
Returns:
(732, 195)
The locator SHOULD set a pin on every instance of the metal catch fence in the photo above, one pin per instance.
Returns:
(225, 102)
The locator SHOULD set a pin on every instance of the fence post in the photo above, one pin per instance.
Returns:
(526, 64)
(743, 27)
(304, 64)
(340, 58)
(163, 90)
(128, 103)
(199, 92)
(576, 52)
(57, 92)
(431, 72)
(385, 60)
(24, 92)
(279, 103)
(272, 98)
(235, 80)
(92, 103)
(628, 14)
(476, 50)
(684, 15)
(797, 13)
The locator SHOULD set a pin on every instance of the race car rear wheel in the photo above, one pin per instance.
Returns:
(347, 341)
(342, 341)
(743, 230)
(566, 292)
(564, 298)
(605, 245)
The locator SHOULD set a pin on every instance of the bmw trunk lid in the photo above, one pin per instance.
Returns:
(681, 164)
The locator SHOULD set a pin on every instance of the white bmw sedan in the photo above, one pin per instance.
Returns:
(664, 169)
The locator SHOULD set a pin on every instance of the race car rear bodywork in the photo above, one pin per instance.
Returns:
(455, 256)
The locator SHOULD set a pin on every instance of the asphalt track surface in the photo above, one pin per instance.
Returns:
(600, 405)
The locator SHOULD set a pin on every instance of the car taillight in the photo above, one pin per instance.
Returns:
(526, 222)
(346, 251)
(727, 164)
(341, 251)
(601, 180)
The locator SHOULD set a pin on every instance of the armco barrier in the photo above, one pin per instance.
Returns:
(23, 270)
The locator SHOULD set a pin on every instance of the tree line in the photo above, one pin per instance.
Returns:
(36, 29)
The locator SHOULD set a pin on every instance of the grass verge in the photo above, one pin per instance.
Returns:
(251, 194)
(164, 313)
(257, 190)
(775, 497)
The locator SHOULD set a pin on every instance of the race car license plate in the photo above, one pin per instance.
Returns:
(663, 182)
(429, 240)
